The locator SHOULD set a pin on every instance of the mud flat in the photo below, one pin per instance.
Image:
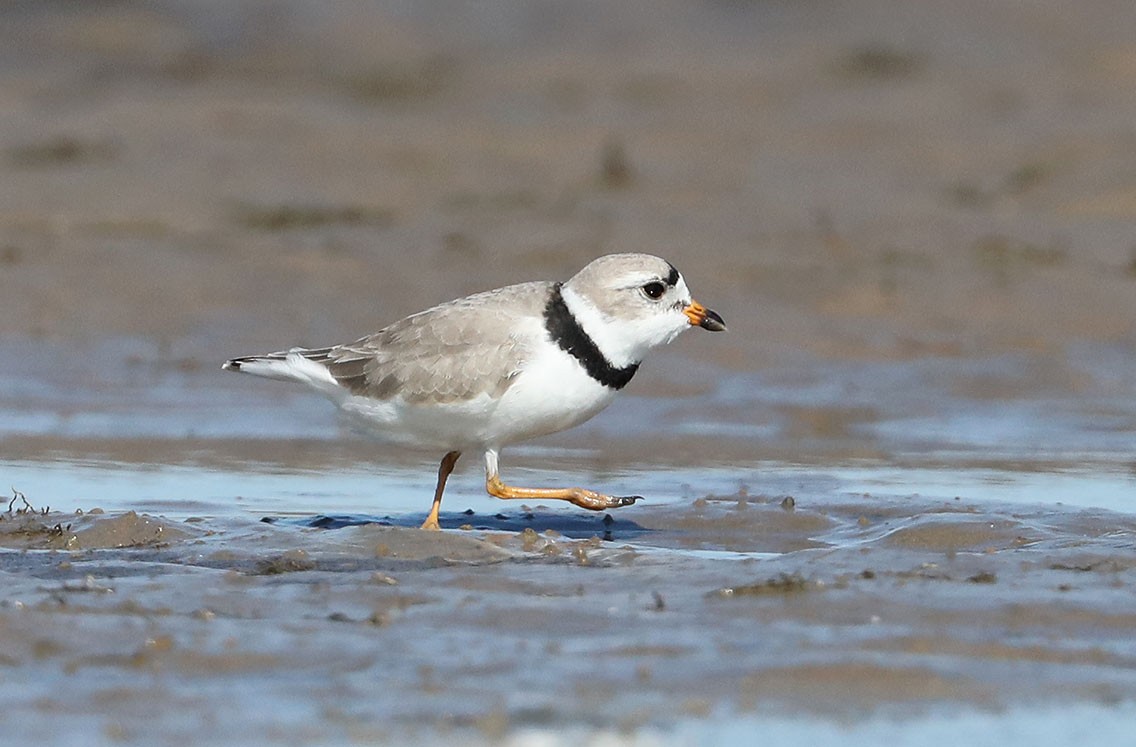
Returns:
(917, 221)
(732, 609)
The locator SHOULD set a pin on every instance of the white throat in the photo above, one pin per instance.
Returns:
(621, 343)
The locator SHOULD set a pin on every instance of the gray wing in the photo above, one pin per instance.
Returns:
(449, 353)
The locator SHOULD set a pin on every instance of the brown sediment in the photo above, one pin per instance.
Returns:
(795, 619)
(843, 192)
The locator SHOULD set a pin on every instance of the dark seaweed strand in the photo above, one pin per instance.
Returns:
(566, 332)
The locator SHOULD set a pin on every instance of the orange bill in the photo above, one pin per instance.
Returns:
(700, 316)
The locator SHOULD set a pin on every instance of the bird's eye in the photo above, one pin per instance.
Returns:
(654, 290)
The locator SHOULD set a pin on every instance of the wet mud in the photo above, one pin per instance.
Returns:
(838, 607)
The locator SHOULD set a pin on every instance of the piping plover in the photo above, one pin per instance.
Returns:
(502, 366)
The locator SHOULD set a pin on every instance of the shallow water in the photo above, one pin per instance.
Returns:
(867, 597)
(396, 494)
(224, 544)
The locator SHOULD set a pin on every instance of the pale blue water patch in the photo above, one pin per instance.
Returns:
(698, 553)
(1020, 406)
(126, 388)
(190, 420)
(1080, 406)
(1038, 430)
(1110, 487)
(379, 491)
(382, 491)
(1037, 726)
(189, 490)
(1079, 413)
(1053, 725)
(1088, 487)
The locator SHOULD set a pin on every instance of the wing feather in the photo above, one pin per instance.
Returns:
(450, 353)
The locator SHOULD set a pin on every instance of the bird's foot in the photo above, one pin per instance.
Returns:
(581, 497)
(599, 502)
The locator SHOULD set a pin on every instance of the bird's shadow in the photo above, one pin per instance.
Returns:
(573, 526)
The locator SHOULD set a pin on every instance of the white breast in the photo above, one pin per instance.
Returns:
(551, 394)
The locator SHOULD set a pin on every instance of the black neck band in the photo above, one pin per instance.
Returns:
(566, 332)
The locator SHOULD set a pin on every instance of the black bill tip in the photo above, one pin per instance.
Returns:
(712, 321)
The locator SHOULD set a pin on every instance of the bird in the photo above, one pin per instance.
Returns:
(502, 366)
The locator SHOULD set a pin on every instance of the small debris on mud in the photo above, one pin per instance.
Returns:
(25, 507)
(786, 583)
(290, 561)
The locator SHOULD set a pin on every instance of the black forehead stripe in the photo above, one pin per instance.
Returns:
(566, 332)
(672, 278)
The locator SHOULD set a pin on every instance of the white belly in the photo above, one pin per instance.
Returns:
(551, 394)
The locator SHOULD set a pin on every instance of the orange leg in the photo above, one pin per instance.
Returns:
(444, 470)
(581, 497)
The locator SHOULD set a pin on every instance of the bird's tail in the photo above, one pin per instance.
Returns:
(297, 364)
